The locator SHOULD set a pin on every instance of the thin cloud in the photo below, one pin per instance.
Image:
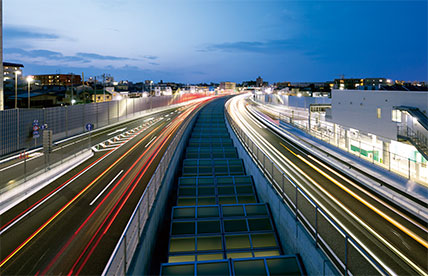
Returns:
(263, 47)
(22, 32)
(47, 55)
(151, 57)
(93, 56)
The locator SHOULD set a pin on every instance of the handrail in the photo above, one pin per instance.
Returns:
(245, 140)
(154, 183)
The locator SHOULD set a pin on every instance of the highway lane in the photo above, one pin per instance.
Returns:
(13, 169)
(396, 239)
(70, 225)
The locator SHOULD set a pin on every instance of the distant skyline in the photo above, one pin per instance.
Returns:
(194, 41)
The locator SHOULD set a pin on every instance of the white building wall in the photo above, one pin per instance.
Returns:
(358, 109)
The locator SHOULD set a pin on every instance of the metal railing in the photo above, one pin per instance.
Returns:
(123, 253)
(417, 138)
(31, 164)
(344, 252)
(393, 162)
(66, 121)
(411, 167)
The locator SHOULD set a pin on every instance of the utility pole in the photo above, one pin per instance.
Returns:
(72, 80)
(104, 87)
(95, 89)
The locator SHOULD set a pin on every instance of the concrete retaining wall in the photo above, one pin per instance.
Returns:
(293, 237)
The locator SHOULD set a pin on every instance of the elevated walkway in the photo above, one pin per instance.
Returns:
(414, 128)
(218, 225)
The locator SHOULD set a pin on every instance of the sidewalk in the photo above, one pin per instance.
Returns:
(409, 194)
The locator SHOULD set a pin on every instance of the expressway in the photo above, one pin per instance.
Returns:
(13, 168)
(72, 225)
(393, 238)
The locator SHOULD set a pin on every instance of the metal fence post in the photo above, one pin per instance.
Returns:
(296, 200)
(316, 225)
(408, 167)
(124, 255)
(17, 129)
(346, 255)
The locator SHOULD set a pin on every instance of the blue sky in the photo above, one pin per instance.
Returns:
(225, 40)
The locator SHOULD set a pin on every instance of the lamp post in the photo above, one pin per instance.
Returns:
(29, 81)
(16, 88)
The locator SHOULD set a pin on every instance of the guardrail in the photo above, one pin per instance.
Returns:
(31, 164)
(66, 121)
(345, 253)
(123, 253)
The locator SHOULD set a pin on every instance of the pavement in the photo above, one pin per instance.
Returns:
(395, 238)
(412, 195)
(72, 225)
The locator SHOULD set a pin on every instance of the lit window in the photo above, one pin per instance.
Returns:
(379, 112)
(396, 116)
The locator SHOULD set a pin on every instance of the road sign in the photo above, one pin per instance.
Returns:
(44, 126)
(36, 128)
(36, 134)
(89, 127)
(35, 122)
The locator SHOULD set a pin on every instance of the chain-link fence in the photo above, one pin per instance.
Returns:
(28, 173)
(347, 255)
(16, 125)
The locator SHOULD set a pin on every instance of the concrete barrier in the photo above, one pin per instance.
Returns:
(293, 236)
(39, 180)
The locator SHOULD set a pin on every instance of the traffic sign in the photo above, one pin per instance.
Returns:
(44, 126)
(36, 128)
(35, 122)
(89, 127)
(36, 134)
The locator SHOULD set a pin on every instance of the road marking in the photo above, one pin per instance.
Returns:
(106, 187)
(117, 130)
(70, 202)
(363, 201)
(150, 142)
(36, 155)
(240, 119)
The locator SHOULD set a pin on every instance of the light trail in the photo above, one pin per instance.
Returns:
(363, 201)
(69, 203)
(117, 202)
(56, 190)
(235, 112)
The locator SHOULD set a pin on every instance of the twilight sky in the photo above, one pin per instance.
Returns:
(219, 40)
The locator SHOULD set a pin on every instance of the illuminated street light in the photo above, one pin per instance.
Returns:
(30, 79)
(16, 88)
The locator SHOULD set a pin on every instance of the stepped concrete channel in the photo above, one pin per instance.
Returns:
(215, 222)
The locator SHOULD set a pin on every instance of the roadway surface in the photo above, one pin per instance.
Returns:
(73, 225)
(394, 238)
(14, 168)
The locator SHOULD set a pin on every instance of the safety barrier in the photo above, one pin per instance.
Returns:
(345, 253)
(123, 253)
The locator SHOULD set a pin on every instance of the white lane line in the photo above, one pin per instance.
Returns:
(21, 162)
(47, 198)
(116, 131)
(16, 156)
(150, 141)
(106, 187)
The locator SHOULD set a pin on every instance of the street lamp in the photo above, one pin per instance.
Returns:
(16, 88)
(29, 81)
